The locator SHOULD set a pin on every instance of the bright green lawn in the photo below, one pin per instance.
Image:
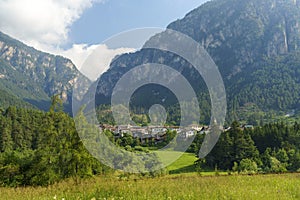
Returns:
(183, 164)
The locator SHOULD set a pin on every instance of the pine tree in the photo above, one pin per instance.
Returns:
(6, 142)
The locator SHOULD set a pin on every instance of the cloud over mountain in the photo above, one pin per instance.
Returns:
(45, 25)
(41, 23)
(93, 60)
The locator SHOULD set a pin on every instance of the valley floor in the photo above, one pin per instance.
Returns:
(187, 186)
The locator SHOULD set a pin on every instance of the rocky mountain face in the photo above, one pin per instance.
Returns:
(31, 77)
(255, 44)
(239, 33)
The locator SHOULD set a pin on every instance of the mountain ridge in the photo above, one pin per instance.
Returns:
(244, 38)
(34, 76)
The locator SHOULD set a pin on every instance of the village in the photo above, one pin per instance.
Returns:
(159, 133)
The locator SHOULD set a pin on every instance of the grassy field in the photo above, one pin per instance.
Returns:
(284, 186)
(184, 164)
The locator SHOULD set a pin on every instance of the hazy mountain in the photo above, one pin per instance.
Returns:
(29, 77)
(255, 44)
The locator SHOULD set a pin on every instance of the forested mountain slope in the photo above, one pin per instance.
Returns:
(255, 44)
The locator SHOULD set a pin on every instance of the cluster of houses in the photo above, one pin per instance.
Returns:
(159, 133)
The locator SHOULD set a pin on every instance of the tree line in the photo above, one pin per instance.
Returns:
(272, 148)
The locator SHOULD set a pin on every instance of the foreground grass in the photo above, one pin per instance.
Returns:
(285, 186)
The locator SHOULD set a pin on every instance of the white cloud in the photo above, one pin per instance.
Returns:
(93, 60)
(78, 53)
(41, 23)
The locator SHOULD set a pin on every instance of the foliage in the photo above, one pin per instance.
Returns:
(38, 148)
(271, 148)
(247, 166)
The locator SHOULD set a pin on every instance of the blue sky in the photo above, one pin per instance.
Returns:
(113, 16)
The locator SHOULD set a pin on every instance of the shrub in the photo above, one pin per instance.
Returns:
(248, 166)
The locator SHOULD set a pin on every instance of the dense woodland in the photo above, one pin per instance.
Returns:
(40, 148)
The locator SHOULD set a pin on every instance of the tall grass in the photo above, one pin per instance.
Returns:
(284, 186)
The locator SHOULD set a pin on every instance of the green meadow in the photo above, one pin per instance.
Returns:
(184, 163)
(185, 186)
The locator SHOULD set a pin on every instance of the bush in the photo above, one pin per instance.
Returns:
(277, 166)
(247, 166)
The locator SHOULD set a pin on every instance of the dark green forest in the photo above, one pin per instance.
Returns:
(41, 148)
